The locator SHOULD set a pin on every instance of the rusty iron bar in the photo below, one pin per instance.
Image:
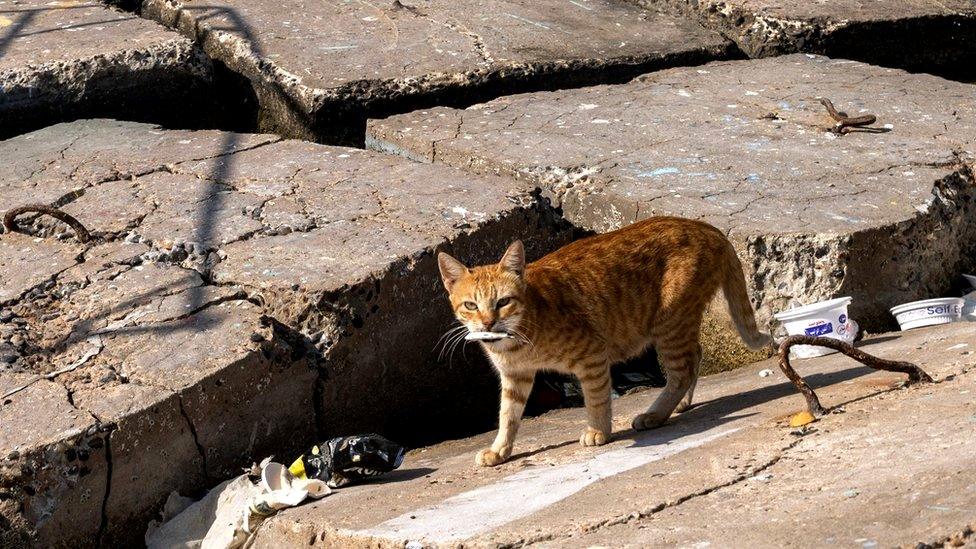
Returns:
(844, 122)
(10, 219)
(915, 374)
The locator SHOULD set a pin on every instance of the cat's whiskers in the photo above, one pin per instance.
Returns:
(519, 335)
(450, 331)
(449, 336)
(457, 341)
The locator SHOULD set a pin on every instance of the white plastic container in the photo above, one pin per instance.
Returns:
(824, 319)
(928, 312)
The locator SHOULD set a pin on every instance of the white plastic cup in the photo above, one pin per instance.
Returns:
(824, 319)
(928, 312)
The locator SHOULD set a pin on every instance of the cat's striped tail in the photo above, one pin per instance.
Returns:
(740, 309)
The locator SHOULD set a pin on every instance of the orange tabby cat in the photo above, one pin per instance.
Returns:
(596, 302)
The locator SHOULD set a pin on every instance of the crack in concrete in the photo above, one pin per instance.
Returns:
(435, 142)
(479, 43)
(61, 156)
(137, 326)
(647, 512)
(103, 523)
(196, 439)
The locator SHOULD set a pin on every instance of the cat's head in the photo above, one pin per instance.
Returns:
(489, 298)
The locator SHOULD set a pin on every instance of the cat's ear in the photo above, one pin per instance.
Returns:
(451, 269)
(514, 258)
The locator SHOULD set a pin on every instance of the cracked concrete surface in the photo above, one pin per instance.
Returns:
(244, 296)
(885, 217)
(70, 59)
(319, 74)
(889, 466)
(884, 33)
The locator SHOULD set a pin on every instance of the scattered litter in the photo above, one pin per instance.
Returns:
(928, 312)
(343, 460)
(851, 493)
(802, 431)
(801, 419)
(845, 123)
(824, 319)
(228, 516)
(765, 373)
(636, 374)
(762, 478)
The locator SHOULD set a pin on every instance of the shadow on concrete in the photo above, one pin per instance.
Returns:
(209, 204)
(28, 15)
(23, 22)
(400, 475)
(15, 29)
(713, 413)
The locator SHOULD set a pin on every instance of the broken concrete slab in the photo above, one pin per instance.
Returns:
(68, 59)
(180, 382)
(672, 486)
(244, 296)
(886, 216)
(933, 37)
(53, 464)
(318, 75)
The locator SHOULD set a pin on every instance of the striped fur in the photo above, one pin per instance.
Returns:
(596, 302)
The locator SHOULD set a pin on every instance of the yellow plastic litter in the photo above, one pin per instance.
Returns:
(297, 467)
(801, 419)
(5, 21)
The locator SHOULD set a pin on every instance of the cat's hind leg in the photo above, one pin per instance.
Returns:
(685, 403)
(679, 355)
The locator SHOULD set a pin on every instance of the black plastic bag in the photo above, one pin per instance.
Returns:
(343, 460)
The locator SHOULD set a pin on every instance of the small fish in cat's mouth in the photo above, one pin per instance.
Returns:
(487, 336)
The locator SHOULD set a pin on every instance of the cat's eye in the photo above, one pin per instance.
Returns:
(471, 305)
(502, 302)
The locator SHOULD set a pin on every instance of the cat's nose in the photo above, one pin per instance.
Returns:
(489, 324)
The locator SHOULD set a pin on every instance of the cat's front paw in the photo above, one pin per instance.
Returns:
(490, 458)
(593, 437)
(647, 421)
